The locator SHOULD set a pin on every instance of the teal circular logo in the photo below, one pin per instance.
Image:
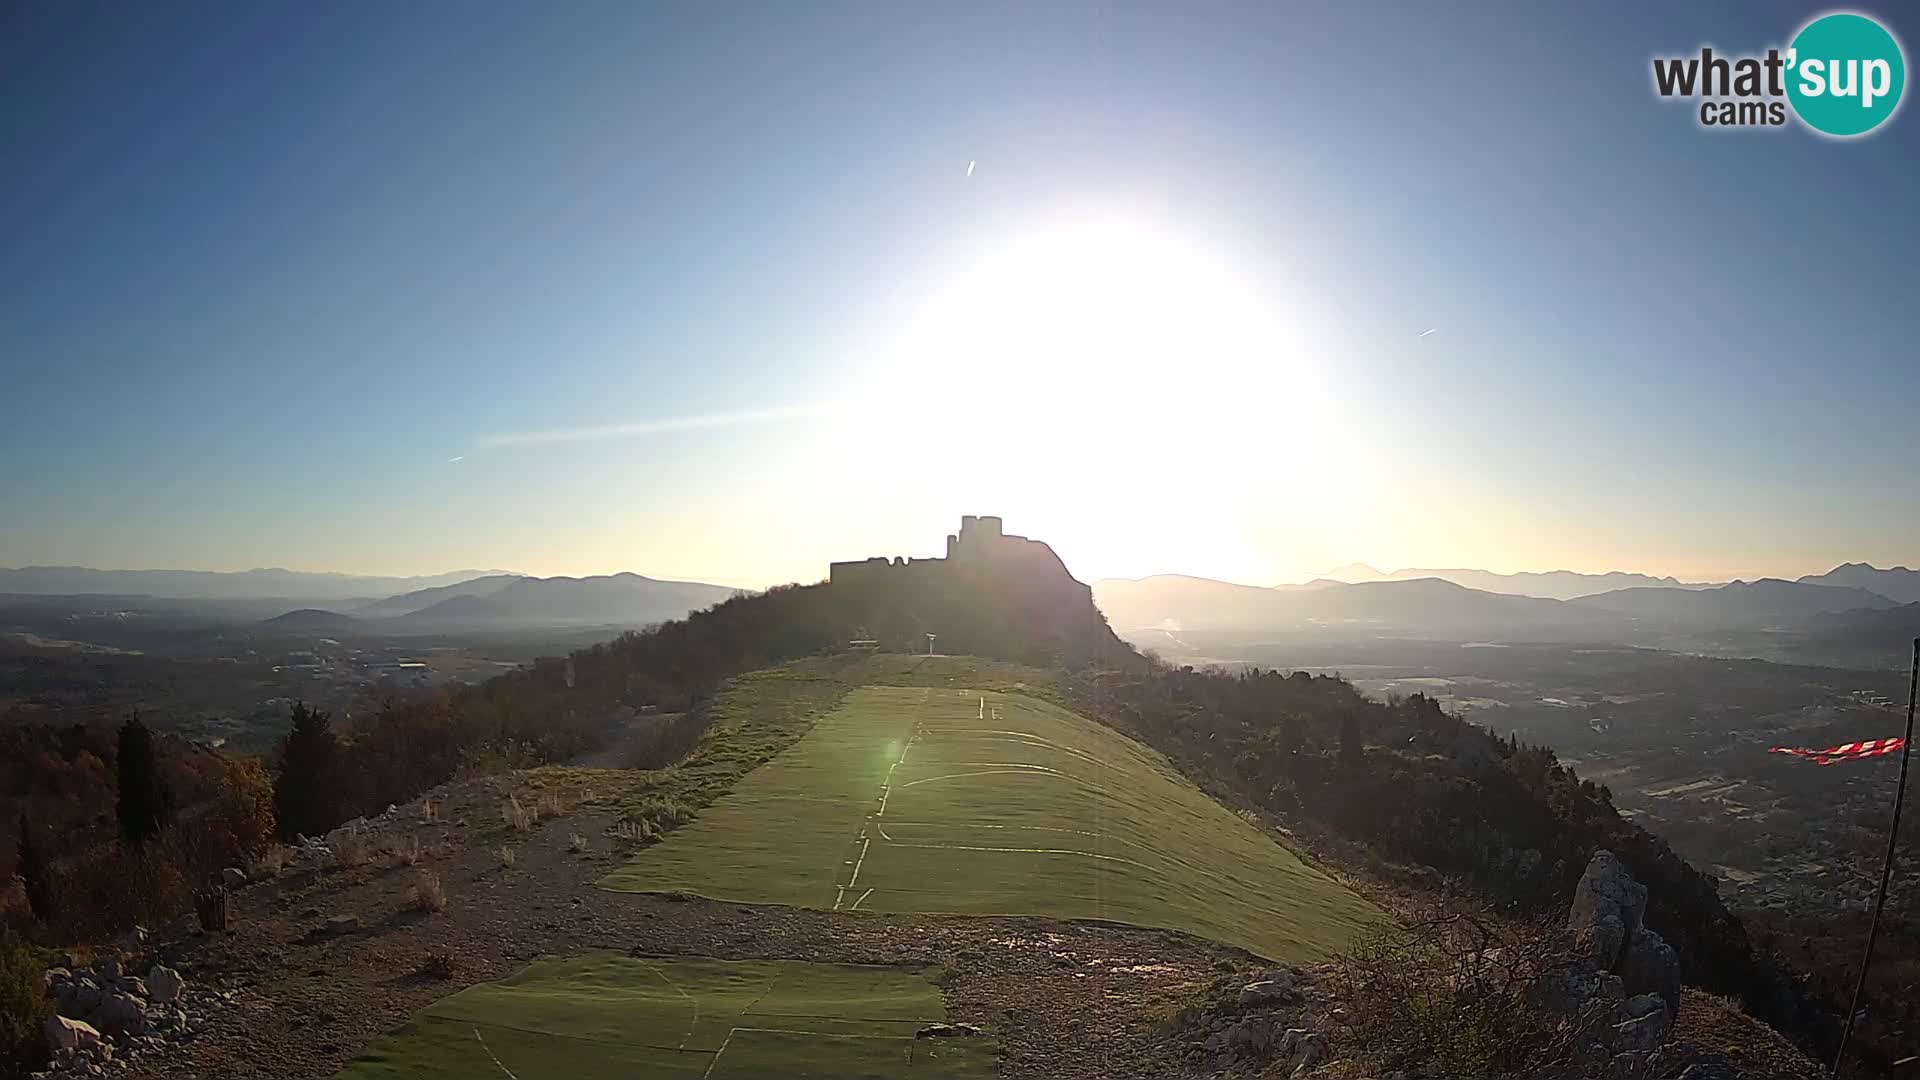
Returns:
(1845, 73)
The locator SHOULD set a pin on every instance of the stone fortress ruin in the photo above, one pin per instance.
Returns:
(981, 544)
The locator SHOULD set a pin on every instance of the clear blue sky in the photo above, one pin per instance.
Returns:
(660, 280)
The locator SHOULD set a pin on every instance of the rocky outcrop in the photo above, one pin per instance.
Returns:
(1609, 908)
(1622, 989)
(1648, 965)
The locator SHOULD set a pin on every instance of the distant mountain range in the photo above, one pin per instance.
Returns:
(627, 599)
(1434, 607)
(1551, 585)
(1424, 607)
(1898, 583)
(211, 585)
(1740, 603)
(504, 600)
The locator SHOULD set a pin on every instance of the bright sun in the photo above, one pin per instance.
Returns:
(1085, 371)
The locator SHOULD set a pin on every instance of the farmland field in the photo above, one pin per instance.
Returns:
(919, 799)
(609, 1014)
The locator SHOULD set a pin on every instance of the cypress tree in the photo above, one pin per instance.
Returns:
(31, 865)
(306, 797)
(145, 804)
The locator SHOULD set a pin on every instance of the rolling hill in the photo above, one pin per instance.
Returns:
(420, 599)
(309, 621)
(208, 584)
(1422, 607)
(1868, 637)
(615, 599)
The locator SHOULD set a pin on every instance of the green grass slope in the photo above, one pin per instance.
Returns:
(920, 799)
(608, 1014)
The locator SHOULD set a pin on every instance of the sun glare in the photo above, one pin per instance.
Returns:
(1098, 360)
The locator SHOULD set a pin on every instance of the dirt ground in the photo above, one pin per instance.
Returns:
(1066, 1000)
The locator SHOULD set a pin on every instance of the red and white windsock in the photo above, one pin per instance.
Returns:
(1852, 751)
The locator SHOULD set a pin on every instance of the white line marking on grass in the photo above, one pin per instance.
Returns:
(1033, 851)
(491, 1054)
(983, 707)
(863, 898)
(1023, 828)
(865, 843)
(1026, 739)
(886, 786)
(822, 1034)
(691, 1024)
(1024, 770)
(717, 1053)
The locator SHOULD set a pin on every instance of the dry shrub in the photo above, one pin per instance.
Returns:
(1452, 994)
(23, 1006)
(429, 811)
(505, 855)
(577, 844)
(551, 805)
(406, 851)
(666, 740)
(438, 964)
(236, 826)
(109, 887)
(270, 865)
(662, 813)
(428, 893)
(350, 849)
(634, 833)
(516, 816)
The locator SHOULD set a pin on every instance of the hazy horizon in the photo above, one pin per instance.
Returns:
(736, 581)
(627, 287)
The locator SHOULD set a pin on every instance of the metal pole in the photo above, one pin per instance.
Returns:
(1886, 871)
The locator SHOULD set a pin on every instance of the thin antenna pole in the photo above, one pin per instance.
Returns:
(1886, 871)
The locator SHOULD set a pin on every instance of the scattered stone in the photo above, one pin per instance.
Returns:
(233, 877)
(165, 984)
(121, 1012)
(340, 924)
(67, 1035)
(1309, 1051)
(1266, 992)
(86, 995)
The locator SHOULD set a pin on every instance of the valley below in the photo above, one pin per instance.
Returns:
(1681, 740)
